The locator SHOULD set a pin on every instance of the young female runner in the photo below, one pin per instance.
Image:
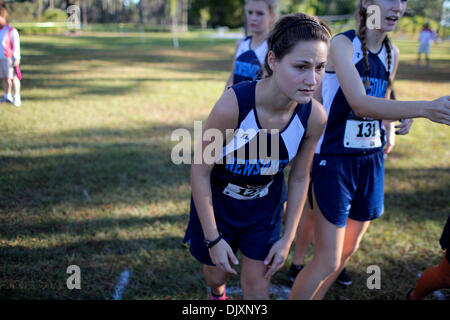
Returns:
(348, 168)
(237, 202)
(305, 230)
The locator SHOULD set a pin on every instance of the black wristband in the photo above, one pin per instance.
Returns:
(210, 244)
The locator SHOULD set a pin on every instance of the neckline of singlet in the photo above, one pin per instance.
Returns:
(256, 112)
(370, 52)
(250, 44)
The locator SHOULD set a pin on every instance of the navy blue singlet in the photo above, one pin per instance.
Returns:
(248, 191)
(248, 63)
(345, 133)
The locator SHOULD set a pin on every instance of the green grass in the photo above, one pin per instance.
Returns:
(86, 176)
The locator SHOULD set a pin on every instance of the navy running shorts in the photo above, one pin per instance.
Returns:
(349, 186)
(253, 239)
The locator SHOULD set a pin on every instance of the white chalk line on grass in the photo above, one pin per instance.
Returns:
(123, 281)
(280, 292)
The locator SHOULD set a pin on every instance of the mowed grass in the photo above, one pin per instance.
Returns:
(86, 176)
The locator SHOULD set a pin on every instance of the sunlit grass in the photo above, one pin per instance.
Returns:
(86, 176)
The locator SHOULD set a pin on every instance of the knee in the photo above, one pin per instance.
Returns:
(332, 266)
(327, 265)
(215, 277)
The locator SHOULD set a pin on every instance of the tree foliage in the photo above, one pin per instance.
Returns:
(213, 12)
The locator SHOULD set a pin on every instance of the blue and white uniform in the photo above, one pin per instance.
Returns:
(247, 184)
(348, 167)
(248, 63)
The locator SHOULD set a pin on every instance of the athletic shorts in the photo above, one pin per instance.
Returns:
(349, 187)
(254, 240)
(6, 68)
(424, 48)
(445, 239)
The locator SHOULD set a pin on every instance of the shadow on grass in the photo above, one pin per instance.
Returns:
(90, 86)
(114, 52)
(87, 227)
(423, 191)
(125, 53)
(92, 167)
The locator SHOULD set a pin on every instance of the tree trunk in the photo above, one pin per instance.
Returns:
(184, 15)
(39, 11)
(84, 8)
(141, 13)
(440, 17)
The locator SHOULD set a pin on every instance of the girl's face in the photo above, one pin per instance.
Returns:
(390, 12)
(300, 72)
(259, 17)
(2, 21)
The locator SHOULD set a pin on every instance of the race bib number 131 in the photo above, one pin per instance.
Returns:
(362, 134)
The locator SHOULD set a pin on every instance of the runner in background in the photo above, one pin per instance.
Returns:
(305, 231)
(251, 51)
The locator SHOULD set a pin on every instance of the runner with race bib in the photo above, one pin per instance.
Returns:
(237, 202)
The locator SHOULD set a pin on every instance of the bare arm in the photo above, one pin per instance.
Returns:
(223, 116)
(229, 82)
(379, 108)
(297, 188)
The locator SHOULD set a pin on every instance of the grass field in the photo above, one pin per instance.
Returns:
(86, 176)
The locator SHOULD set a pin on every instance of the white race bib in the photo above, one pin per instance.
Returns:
(362, 134)
(250, 193)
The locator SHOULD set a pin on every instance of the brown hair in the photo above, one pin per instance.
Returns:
(290, 29)
(362, 28)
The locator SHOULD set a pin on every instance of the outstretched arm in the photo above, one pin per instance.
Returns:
(379, 108)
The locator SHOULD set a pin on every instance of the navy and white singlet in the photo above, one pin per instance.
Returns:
(248, 63)
(348, 166)
(345, 133)
(248, 191)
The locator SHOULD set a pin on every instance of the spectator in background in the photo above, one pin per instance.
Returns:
(9, 59)
(426, 38)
